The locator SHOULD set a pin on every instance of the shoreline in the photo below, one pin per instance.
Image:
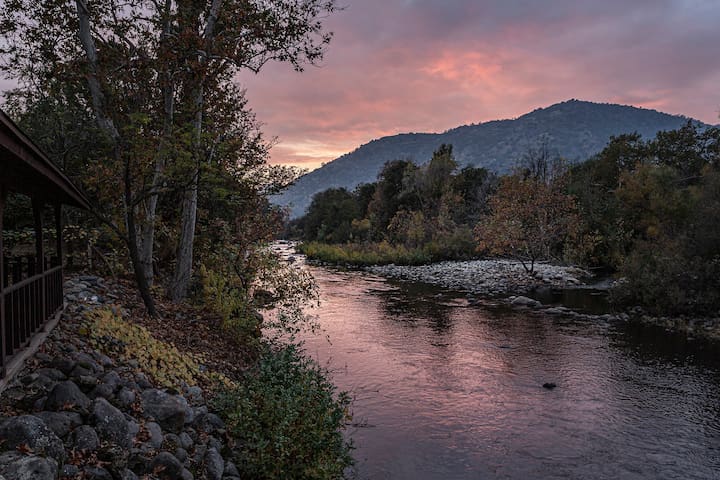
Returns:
(507, 281)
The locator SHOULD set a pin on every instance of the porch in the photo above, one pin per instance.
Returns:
(31, 283)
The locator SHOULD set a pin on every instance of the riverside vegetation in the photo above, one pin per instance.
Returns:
(136, 102)
(646, 211)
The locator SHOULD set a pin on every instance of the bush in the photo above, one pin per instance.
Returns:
(232, 305)
(163, 362)
(287, 419)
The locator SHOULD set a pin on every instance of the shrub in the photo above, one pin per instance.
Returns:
(232, 305)
(288, 419)
(163, 362)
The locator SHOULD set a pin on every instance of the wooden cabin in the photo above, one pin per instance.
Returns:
(31, 287)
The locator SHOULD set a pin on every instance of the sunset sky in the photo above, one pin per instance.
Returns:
(428, 65)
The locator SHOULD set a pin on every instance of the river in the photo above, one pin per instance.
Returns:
(450, 389)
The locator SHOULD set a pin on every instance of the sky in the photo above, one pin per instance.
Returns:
(398, 66)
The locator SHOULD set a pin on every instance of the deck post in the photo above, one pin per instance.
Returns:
(3, 331)
(37, 206)
(59, 234)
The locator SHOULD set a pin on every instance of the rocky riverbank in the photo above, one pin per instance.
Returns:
(487, 277)
(508, 281)
(76, 413)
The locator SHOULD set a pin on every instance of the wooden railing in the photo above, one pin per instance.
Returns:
(27, 304)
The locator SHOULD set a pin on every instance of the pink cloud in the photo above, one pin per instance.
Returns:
(426, 65)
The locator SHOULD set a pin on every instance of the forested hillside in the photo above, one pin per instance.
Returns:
(576, 130)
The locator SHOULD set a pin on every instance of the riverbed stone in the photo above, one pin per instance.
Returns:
(521, 301)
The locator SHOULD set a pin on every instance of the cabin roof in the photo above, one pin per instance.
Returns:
(25, 169)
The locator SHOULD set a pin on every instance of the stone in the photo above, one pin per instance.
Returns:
(166, 409)
(86, 362)
(171, 441)
(103, 390)
(213, 442)
(525, 302)
(112, 379)
(61, 423)
(125, 397)
(166, 467)
(214, 464)
(28, 379)
(209, 423)
(186, 475)
(31, 431)
(194, 395)
(156, 434)
(111, 424)
(52, 373)
(128, 475)
(67, 395)
(231, 470)
(96, 473)
(15, 466)
(84, 437)
(65, 365)
(69, 471)
(185, 441)
(104, 360)
(181, 454)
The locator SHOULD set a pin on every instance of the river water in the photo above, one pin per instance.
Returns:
(450, 389)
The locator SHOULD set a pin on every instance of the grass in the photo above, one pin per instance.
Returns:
(382, 253)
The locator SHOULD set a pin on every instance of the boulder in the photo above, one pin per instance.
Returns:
(110, 423)
(15, 466)
(166, 467)
(61, 423)
(214, 464)
(65, 396)
(521, 301)
(96, 473)
(85, 438)
(166, 409)
(31, 431)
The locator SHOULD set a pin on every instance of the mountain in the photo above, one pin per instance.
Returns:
(575, 129)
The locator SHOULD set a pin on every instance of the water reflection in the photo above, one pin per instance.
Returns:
(451, 390)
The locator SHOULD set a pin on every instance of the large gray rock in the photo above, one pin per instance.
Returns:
(15, 466)
(110, 423)
(214, 464)
(61, 423)
(166, 466)
(65, 396)
(31, 431)
(85, 438)
(166, 409)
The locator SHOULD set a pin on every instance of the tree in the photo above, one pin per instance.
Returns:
(149, 72)
(529, 220)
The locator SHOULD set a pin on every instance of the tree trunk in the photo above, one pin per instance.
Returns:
(184, 262)
(106, 123)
